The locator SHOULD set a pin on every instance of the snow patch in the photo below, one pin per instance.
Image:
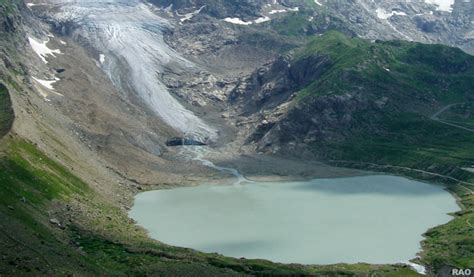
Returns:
(29, 5)
(46, 83)
(443, 5)
(238, 21)
(295, 9)
(262, 19)
(101, 58)
(383, 14)
(42, 50)
(317, 2)
(188, 16)
(276, 11)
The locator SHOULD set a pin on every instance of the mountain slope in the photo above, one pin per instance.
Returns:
(217, 8)
(63, 210)
(6, 112)
(64, 206)
(349, 86)
(422, 21)
(378, 106)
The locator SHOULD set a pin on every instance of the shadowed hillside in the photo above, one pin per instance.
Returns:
(6, 111)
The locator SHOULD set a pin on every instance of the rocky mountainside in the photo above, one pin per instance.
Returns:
(217, 8)
(447, 22)
(338, 88)
(6, 111)
(393, 106)
(90, 91)
(410, 20)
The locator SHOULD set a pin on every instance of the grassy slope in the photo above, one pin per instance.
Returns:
(419, 80)
(396, 68)
(296, 24)
(422, 144)
(462, 114)
(34, 186)
(95, 237)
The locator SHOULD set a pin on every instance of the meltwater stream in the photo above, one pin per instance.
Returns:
(198, 154)
(372, 219)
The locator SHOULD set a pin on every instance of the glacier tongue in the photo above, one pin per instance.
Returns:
(130, 31)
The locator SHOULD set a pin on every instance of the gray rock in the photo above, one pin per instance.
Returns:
(55, 221)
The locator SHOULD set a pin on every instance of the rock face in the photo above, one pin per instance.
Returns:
(320, 96)
(195, 65)
(414, 20)
(218, 8)
(464, 7)
(276, 82)
(6, 111)
(267, 104)
(406, 20)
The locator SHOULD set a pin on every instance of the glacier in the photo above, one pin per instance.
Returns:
(131, 32)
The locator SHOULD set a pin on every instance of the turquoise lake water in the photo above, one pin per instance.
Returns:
(373, 219)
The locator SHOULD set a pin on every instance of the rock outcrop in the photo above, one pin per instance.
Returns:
(321, 96)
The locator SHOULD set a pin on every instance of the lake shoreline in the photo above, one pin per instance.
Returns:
(378, 175)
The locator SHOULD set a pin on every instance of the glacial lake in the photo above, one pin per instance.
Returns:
(373, 219)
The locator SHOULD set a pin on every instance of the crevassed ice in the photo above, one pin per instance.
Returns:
(131, 31)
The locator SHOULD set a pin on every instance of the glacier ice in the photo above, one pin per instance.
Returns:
(132, 32)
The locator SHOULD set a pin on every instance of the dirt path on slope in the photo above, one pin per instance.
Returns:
(436, 115)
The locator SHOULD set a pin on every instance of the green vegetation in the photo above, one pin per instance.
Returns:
(395, 68)
(413, 141)
(461, 114)
(422, 144)
(30, 183)
(53, 223)
(303, 23)
(416, 80)
(8, 6)
(6, 111)
(390, 127)
(291, 25)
